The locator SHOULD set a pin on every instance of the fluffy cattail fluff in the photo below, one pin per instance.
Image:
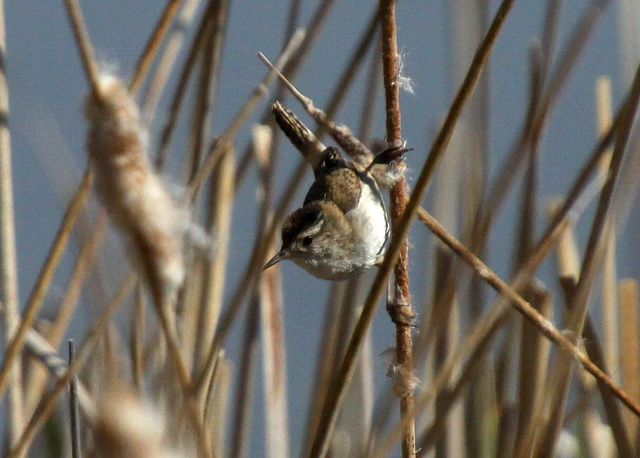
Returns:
(135, 197)
(129, 428)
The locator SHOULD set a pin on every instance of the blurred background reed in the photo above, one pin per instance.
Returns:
(263, 349)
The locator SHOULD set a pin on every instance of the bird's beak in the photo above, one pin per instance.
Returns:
(282, 254)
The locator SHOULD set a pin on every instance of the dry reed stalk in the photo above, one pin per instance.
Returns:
(45, 278)
(630, 336)
(554, 84)
(535, 352)
(246, 384)
(550, 29)
(338, 390)
(442, 323)
(615, 417)
(139, 204)
(593, 256)
(506, 383)
(361, 396)
(476, 343)
(155, 40)
(55, 333)
(522, 407)
(525, 308)
(49, 357)
(610, 316)
(338, 95)
(368, 109)
(216, 412)
(218, 217)
(221, 199)
(355, 416)
(73, 408)
(180, 92)
(12, 366)
(205, 97)
(269, 289)
(172, 48)
(257, 260)
(340, 133)
(469, 20)
(202, 314)
(326, 359)
(219, 145)
(42, 350)
(274, 366)
(399, 308)
(478, 338)
(189, 309)
(47, 405)
(529, 188)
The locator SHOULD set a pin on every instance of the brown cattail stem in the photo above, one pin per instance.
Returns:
(400, 309)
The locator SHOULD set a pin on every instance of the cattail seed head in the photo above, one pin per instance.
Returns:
(129, 428)
(135, 197)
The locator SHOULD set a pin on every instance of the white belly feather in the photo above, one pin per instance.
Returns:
(369, 220)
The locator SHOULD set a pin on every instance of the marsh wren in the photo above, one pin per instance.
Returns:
(342, 227)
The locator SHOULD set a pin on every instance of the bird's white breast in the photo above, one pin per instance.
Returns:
(370, 224)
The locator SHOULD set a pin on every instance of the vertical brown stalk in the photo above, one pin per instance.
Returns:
(400, 310)
(8, 267)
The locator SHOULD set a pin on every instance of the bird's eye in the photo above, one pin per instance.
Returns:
(307, 240)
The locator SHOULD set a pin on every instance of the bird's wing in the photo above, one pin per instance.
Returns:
(341, 186)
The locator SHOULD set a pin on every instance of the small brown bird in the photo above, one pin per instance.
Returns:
(342, 227)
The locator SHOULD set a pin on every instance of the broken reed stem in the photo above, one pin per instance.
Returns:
(47, 406)
(45, 277)
(400, 309)
(338, 389)
(155, 40)
(8, 261)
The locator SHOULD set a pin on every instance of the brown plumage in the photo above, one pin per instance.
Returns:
(342, 227)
